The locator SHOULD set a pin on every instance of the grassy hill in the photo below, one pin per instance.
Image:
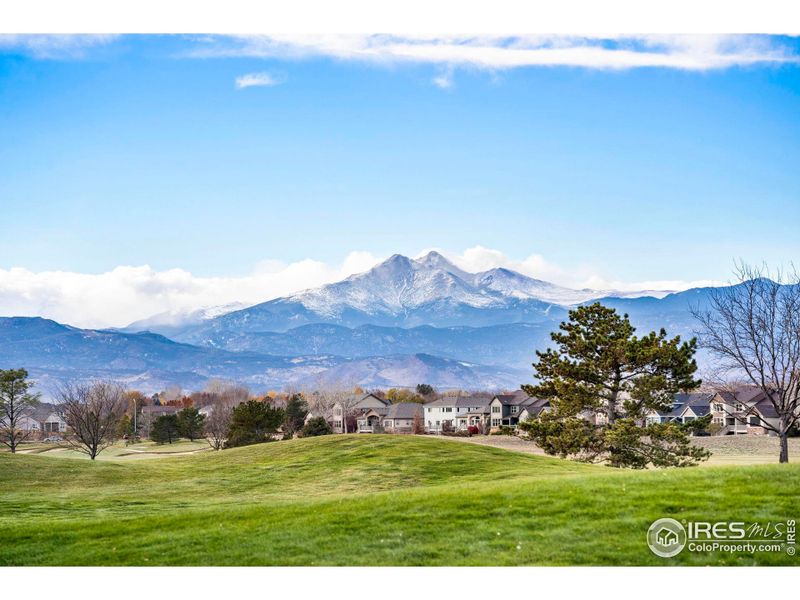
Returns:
(368, 500)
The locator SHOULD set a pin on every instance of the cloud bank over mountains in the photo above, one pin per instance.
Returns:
(130, 293)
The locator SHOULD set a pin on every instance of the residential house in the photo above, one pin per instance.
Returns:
(693, 406)
(744, 409)
(533, 409)
(359, 405)
(456, 412)
(685, 408)
(505, 409)
(371, 420)
(42, 422)
(395, 418)
(51, 423)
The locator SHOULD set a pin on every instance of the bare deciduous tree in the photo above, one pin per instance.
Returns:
(753, 329)
(319, 404)
(92, 411)
(333, 403)
(346, 402)
(221, 397)
(218, 422)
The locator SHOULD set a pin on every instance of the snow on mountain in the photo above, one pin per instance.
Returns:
(180, 319)
(400, 283)
(396, 285)
(399, 292)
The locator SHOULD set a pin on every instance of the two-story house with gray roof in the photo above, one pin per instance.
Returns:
(456, 412)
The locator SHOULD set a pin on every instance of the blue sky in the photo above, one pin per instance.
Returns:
(138, 151)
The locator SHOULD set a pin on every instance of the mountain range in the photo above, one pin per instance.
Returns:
(403, 322)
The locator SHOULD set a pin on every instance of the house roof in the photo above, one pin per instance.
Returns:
(701, 410)
(517, 398)
(43, 411)
(746, 394)
(372, 412)
(766, 409)
(403, 410)
(700, 403)
(535, 406)
(358, 398)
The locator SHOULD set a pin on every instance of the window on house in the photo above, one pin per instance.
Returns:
(719, 420)
(738, 407)
(495, 409)
(718, 407)
(514, 410)
(337, 424)
(387, 423)
(495, 422)
(448, 409)
(754, 420)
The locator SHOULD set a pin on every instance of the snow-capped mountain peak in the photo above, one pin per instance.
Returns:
(401, 284)
(401, 292)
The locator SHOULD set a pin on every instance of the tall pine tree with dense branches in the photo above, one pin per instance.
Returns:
(602, 380)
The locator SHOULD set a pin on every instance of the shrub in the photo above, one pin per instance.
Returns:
(164, 429)
(253, 422)
(317, 426)
(473, 430)
(190, 423)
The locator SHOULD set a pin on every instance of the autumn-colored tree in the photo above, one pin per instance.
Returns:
(397, 395)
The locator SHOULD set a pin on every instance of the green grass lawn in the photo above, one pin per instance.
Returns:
(117, 451)
(368, 500)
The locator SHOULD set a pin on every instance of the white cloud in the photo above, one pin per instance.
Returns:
(52, 46)
(261, 79)
(479, 258)
(444, 81)
(690, 52)
(126, 293)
